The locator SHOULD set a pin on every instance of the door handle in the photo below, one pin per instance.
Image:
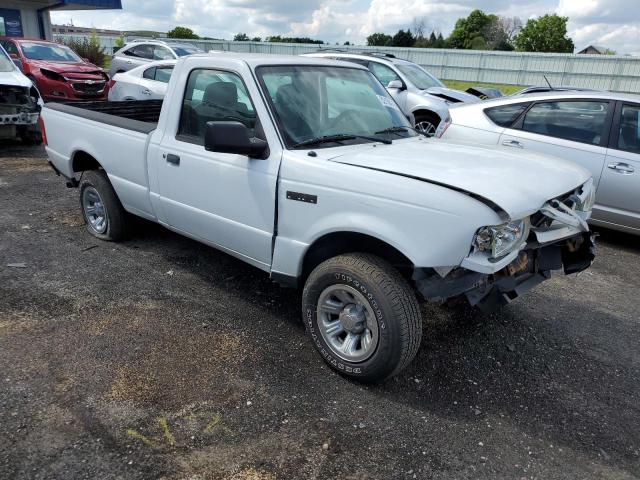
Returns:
(623, 168)
(171, 158)
(512, 143)
(129, 62)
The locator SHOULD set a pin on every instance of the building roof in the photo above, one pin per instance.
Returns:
(85, 4)
(599, 50)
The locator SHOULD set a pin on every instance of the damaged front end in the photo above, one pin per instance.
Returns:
(556, 238)
(19, 111)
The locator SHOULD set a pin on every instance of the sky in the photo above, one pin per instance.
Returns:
(614, 24)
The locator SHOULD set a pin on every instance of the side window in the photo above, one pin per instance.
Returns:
(383, 73)
(629, 132)
(150, 73)
(505, 115)
(578, 121)
(210, 96)
(162, 53)
(140, 51)
(10, 47)
(163, 74)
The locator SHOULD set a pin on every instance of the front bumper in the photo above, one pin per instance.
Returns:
(531, 266)
(19, 119)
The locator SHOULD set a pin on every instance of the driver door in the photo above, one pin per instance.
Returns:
(226, 200)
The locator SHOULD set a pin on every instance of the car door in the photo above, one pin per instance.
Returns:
(573, 129)
(153, 85)
(618, 196)
(223, 199)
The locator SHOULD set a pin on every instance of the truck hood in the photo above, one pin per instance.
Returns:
(14, 79)
(519, 184)
(453, 96)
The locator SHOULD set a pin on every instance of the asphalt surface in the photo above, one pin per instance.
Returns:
(161, 358)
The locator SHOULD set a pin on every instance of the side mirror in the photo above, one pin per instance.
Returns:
(397, 84)
(233, 137)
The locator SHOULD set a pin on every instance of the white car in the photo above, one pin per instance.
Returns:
(147, 82)
(596, 129)
(20, 103)
(307, 169)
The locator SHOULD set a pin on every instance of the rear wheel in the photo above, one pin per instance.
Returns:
(427, 123)
(362, 316)
(103, 213)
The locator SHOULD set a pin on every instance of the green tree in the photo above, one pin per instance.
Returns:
(403, 39)
(545, 34)
(241, 37)
(89, 48)
(256, 39)
(181, 32)
(467, 30)
(120, 41)
(379, 40)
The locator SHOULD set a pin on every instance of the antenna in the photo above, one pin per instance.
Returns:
(548, 82)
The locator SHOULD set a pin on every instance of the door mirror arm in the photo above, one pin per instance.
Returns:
(233, 137)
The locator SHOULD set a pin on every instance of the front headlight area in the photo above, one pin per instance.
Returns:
(500, 240)
(586, 198)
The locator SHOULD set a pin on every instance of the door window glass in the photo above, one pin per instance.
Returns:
(505, 115)
(383, 73)
(213, 95)
(10, 47)
(629, 132)
(159, 74)
(578, 121)
(140, 51)
(162, 53)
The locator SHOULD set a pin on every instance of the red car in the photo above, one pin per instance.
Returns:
(57, 71)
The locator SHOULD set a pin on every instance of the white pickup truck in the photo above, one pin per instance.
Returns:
(306, 169)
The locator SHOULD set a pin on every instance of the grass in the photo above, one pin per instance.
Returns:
(505, 89)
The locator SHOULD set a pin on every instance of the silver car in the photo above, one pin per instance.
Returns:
(598, 130)
(142, 52)
(147, 82)
(416, 91)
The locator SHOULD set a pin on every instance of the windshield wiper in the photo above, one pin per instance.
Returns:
(398, 129)
(338, 138)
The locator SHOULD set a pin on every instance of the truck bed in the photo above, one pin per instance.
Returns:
(137, 115)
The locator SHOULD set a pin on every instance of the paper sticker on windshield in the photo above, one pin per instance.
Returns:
(387, 102)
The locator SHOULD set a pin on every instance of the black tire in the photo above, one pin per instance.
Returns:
(427, 118)
(391, 298)
(114, 212)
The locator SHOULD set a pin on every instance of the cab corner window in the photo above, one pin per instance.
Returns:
(505, 115)
(212, 96)
(629, 131)
(578, 121)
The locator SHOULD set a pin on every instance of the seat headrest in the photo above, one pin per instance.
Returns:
(630, 116)
(221, 93)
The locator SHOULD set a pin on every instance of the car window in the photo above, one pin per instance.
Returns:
(419, 76)
(578, 121)
(163, 74)
(214, 95)
(505, 115)
(383, 73)
(140, 51)
(162, 53)
(6, 64)
(10, 47)
(185, 50)
(629, 131)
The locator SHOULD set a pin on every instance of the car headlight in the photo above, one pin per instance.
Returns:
(502, 239)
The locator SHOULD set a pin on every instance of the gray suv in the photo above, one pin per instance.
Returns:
(416, 91)
(141, 52)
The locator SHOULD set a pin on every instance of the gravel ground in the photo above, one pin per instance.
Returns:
(161, 358)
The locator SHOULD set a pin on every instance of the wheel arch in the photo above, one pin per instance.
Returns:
(342, 242)
(82, 161)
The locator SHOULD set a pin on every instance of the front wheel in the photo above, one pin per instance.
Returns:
(427, 123)
(362, 316)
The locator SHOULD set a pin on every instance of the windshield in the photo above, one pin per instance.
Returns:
(183, 51)
(49, 52)
(317, 101)
(419, 76)
(6, 64)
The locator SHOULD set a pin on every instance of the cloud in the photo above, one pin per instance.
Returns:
(612, 23)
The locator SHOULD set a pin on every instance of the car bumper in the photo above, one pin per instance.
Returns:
(530, 267)
(73, 90)
(19, 119)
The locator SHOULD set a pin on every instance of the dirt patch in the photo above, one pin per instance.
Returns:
(68, 218)
(23, 165)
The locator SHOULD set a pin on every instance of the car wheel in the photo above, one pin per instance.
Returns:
(103, 213)
(427, 124)
(362, 316)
